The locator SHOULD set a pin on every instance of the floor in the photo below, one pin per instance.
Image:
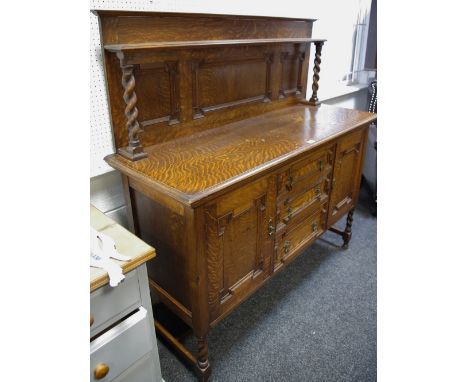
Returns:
(314, 321)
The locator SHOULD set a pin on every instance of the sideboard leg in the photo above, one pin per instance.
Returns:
(203, 367)
(347, 232)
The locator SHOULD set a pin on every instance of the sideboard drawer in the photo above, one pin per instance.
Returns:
(109, 304)
(118, 348)
(312, 168)
(290, 207)
(293, 238)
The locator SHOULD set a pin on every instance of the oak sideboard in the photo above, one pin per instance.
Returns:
(227, 170)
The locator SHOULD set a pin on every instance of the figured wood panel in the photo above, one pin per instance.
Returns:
(165, 230)
(157, 89)
(217, 85)
(223, 94)
(292, 81)
(346, 175)
(195, 165)
(133, 27)
(238, 245)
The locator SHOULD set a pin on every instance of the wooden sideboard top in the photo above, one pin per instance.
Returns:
(127, 244)
(195, 167)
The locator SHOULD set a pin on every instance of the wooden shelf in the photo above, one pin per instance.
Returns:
(203, 43)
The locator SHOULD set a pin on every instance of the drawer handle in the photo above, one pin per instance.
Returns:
(287, 244)
(289, 217)
(289, 184)
(101, 370)
(286, 202)
(317, 190)
(91, 320)
(321, 165)
(271, 228)
(314, 227)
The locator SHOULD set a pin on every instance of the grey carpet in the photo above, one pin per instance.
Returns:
(314, 321)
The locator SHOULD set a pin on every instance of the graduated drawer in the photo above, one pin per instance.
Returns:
(109, 304)
(293, 238)
(120, 347)
(301, 173)
(289, 208)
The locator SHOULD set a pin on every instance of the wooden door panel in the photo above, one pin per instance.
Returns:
(238, 244)
(346, 175)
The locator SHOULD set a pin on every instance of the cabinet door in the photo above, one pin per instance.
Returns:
(239, 244)
(346, 175)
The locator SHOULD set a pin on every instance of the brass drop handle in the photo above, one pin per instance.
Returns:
(91, 320)
(288, 218)
(321, 165)
(317, 190)
(314, 227)
(101, 370)
(289, 184)
(287, 244)
(271, 228)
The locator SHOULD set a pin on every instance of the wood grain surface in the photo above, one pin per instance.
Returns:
(193, 166)
(127, 244)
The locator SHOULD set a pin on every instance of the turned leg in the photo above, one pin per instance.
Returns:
(317, 61)
(347, 232)
(203, 366)
(134, 150)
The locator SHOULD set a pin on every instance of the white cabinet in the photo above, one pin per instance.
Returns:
(123, 344)
(124, 347)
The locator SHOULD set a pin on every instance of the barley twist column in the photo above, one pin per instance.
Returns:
(317, 61)
(134, 150)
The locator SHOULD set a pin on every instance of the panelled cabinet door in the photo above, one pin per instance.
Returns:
(239, 241)
(346, 175)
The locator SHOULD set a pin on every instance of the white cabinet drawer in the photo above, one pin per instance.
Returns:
(121, 346)
(111, 304)
(144, 370)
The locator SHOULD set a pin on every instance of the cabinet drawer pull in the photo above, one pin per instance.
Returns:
(321, 165)
(287, 244)
(350, 150)
(101, 370)
(314, 227)
(317, 190)
(289, 184)
(271, 228)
